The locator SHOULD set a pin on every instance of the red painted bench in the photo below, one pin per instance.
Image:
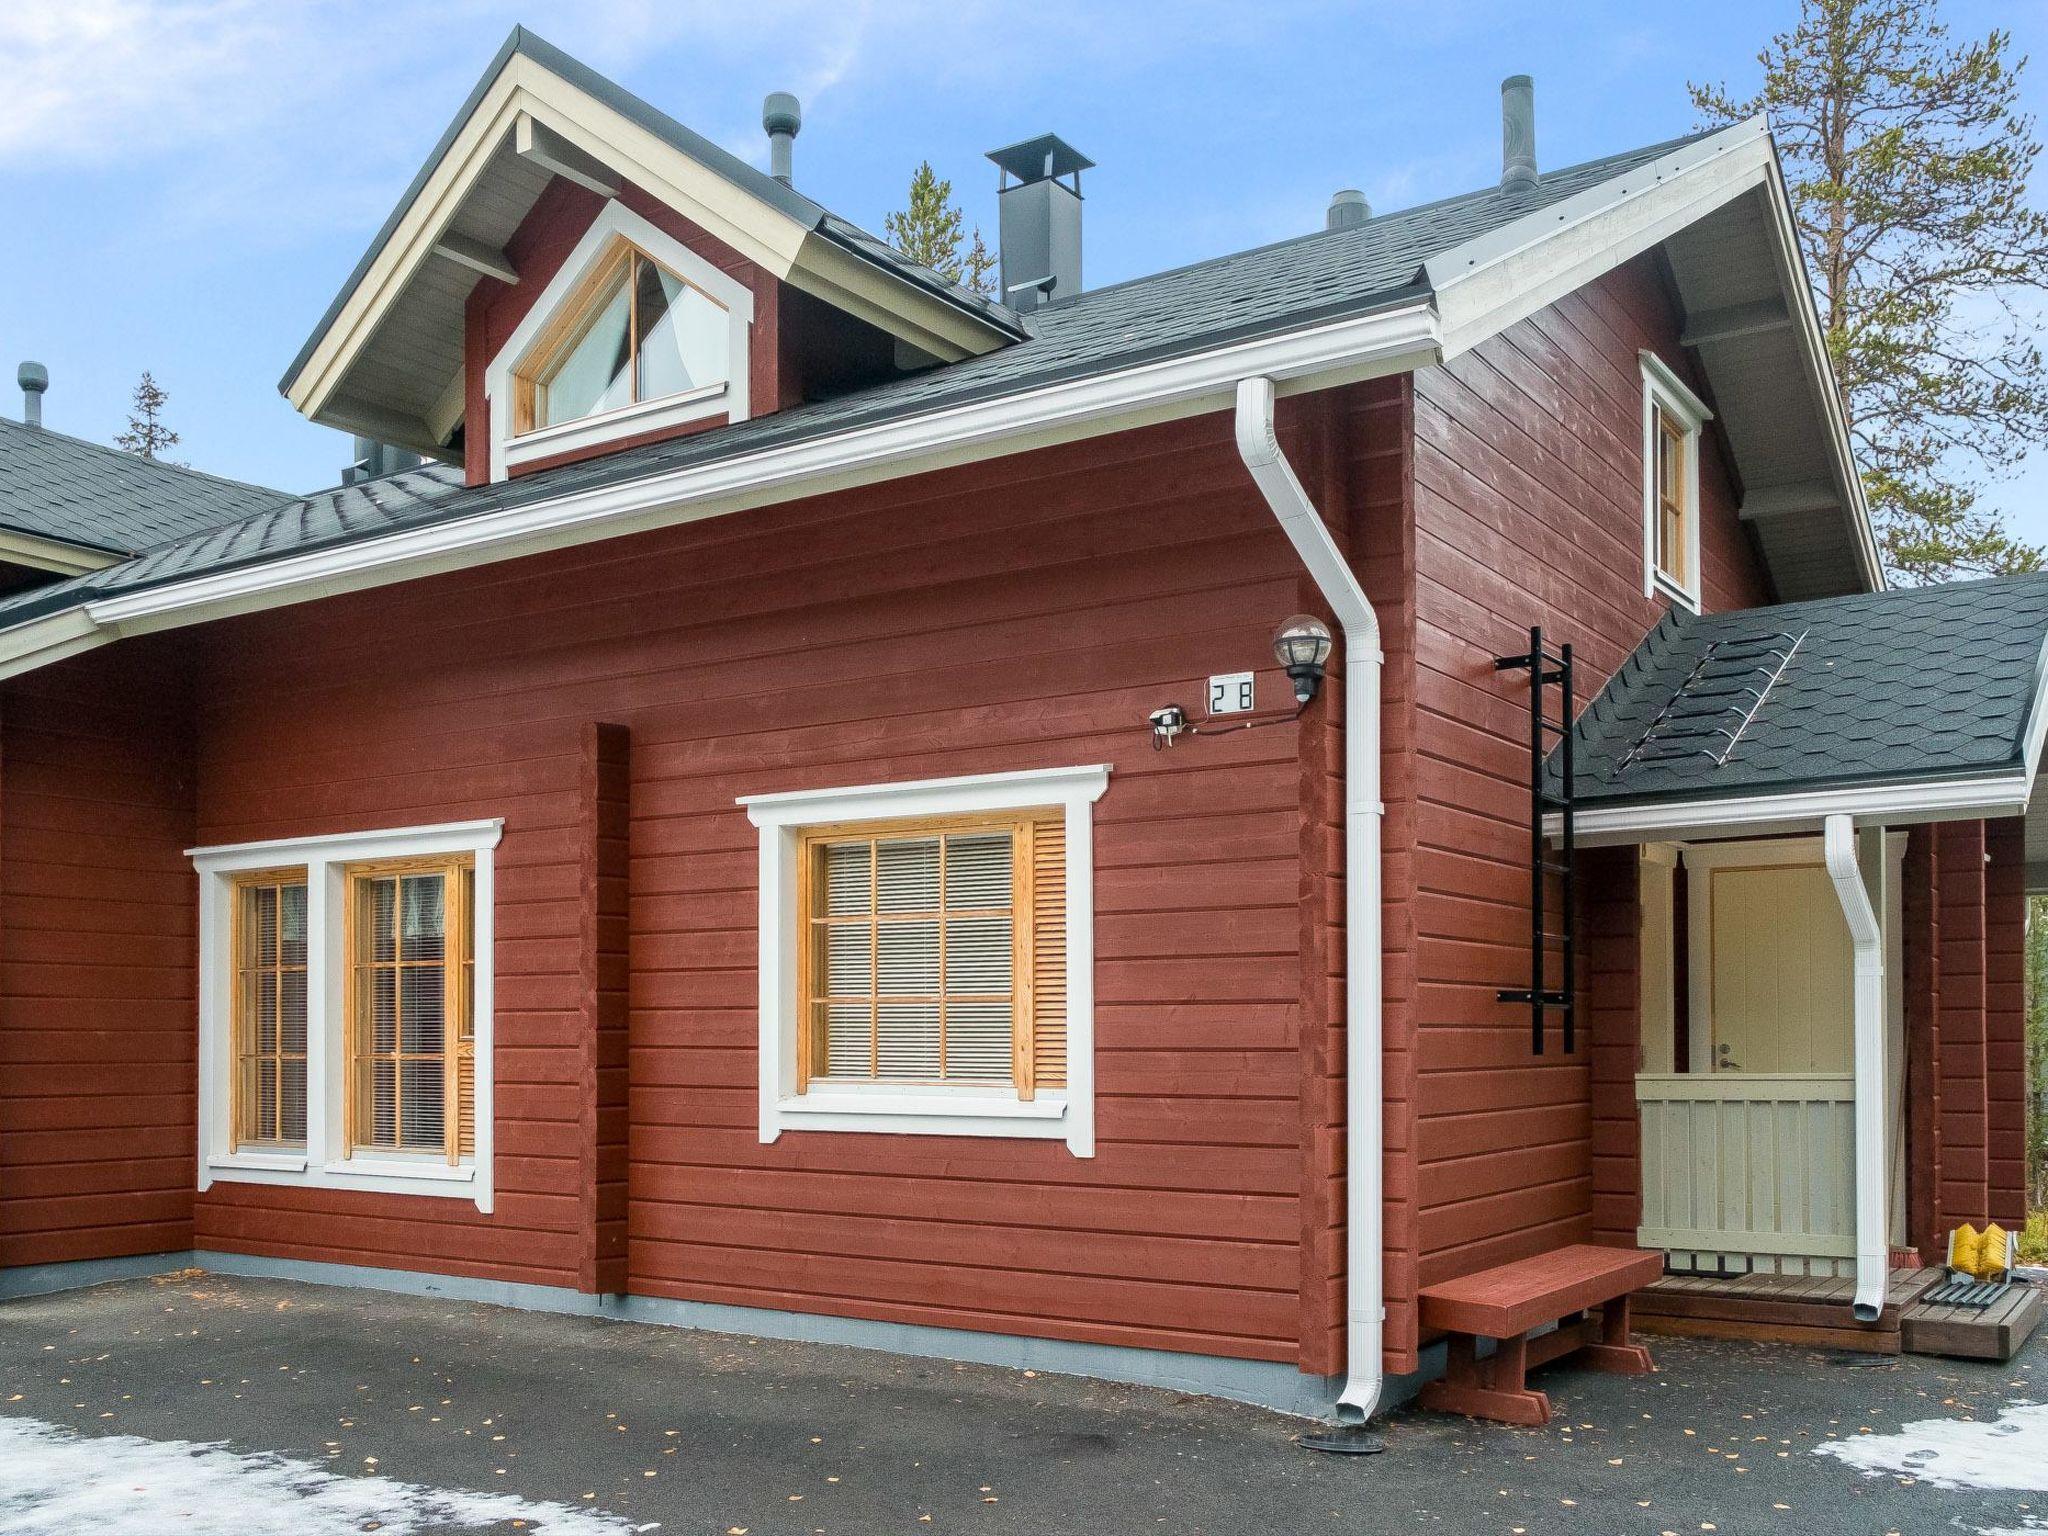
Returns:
(1562, 1287)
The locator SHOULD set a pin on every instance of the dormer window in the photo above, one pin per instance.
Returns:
(643, 334)
(635, 334)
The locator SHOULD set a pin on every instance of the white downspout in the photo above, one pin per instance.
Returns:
(1365, 1291)
(1873, 1254)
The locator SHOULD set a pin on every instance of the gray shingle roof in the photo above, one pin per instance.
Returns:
(64, 488)
(1270, 290)
(1900, 686)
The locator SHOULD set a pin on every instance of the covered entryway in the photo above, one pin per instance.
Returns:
(1746, 1087)
(1818, 834)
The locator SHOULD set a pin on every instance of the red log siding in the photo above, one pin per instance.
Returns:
(1611, 994)
(98, 922)
(543, 241)
(1024, 612)
(2005, 1019)
(1922, 917)
(604, 815)
(1961, 1127)
(1528, 510)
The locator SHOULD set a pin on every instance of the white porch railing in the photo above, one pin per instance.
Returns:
(1750, 1170)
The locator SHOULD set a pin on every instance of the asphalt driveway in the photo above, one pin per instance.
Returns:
(194, 1402)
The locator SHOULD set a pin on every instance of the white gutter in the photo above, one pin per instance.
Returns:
(1365, 1281)
(1873, 1257)
(1993, 796)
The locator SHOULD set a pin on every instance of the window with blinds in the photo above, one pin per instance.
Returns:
(411, 967)
(935, 954)
(269, 944)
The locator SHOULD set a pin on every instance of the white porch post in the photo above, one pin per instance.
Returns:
(1873, 1249)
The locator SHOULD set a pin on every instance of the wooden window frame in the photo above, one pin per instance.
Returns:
(1061, 1107)
(1674, 419)
(241, 1013)
(514, 443)
(572, 322)
(457, 963)
(329, 1160)
(811, 845)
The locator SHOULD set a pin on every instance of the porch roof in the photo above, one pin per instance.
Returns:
(1911, 704)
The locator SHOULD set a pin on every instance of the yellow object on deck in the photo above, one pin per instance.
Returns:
(1964, 1249)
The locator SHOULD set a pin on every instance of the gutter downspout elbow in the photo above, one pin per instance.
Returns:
(1258, 444)
(1873, 1253)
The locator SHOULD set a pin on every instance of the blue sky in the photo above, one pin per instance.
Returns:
(185, 183)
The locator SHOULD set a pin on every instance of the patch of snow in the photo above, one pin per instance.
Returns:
(57, 1483)
(2007, 1453)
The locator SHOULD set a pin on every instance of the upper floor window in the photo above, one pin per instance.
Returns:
(1672, 418)
(643, 334)
(635, 333)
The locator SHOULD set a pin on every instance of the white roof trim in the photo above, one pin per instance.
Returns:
(1739, 815)
(1507, 274)
(1364, 346)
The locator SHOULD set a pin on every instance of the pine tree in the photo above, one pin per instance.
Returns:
(930, 231)
(147, 435)
(1907, 158)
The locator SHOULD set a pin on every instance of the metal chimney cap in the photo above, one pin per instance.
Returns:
(1348, 209)
(32, 377)
(1517, 83)
(1041, 158)
(781, 113)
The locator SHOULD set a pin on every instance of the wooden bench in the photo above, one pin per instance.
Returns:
(1564, 1287)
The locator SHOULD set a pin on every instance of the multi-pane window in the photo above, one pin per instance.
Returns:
(934, 955)
(270, 1009)
(636, 333)
(411, 986)
(1672, 483)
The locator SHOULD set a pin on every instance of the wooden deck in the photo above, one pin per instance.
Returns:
(1786, 1309)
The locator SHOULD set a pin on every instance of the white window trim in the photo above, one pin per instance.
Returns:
(615, 222)
(1665, 390)
(326, 1163)
(1068, 1114)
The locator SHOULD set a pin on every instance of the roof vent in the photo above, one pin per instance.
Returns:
(782, 116)
(375, 460)
(1517, 132)
(1038, 204)
(33, 378)
(1348, 209)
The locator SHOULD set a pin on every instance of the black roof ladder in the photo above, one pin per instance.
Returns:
(1547, 671)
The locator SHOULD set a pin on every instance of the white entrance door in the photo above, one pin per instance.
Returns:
(1780, 970)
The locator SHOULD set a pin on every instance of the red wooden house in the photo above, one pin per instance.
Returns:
(737, 814)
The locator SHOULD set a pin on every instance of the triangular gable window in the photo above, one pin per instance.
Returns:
(642, 334)
(636, 333)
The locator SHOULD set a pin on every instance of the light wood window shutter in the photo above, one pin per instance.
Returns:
(1048, 1033)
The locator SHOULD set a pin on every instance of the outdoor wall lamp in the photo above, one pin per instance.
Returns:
(1302, 645)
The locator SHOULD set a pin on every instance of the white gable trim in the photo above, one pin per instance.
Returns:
(1505, 275)
(616, 222)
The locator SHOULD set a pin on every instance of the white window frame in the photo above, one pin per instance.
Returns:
(616, 222)
(327, 1162)
(1067, 1113)
(1664, 390)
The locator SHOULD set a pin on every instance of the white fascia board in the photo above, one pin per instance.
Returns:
(1507, 274)
(1364, 346)
(54, 555)
(1736, 816)
(1492, 280)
